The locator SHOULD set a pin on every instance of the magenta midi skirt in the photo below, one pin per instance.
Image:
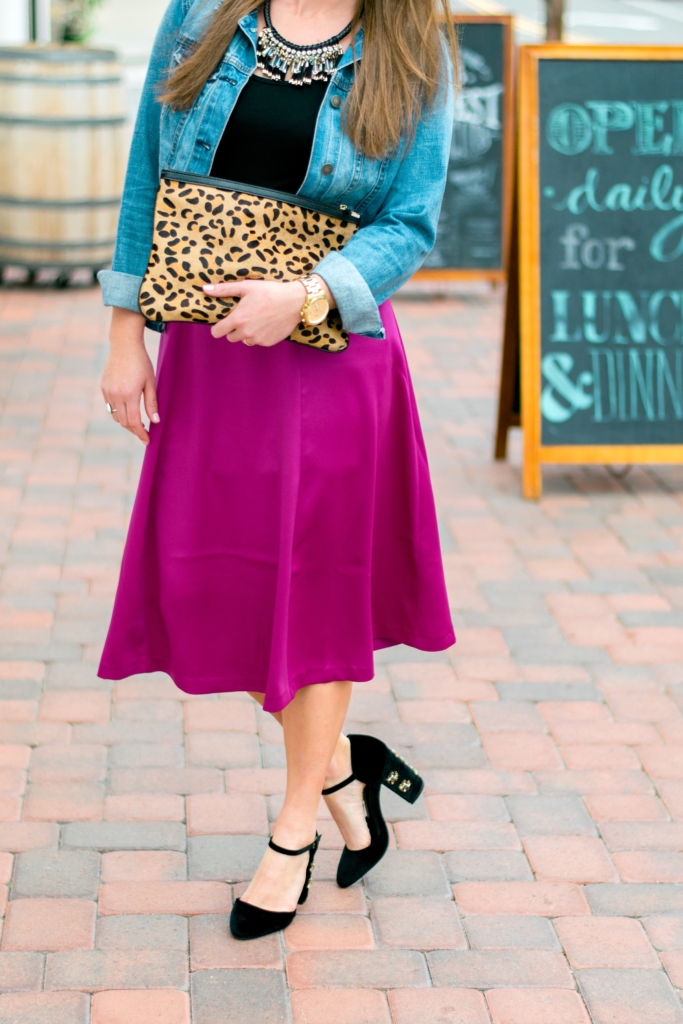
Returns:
(284, 524)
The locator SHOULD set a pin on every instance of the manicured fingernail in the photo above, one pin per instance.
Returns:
(155, 417)
(209, 287)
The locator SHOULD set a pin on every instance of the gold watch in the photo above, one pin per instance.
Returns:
(316, 307)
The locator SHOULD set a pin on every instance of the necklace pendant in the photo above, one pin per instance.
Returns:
(277, 58)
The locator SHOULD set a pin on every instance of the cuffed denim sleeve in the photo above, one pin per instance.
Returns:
(119, 289)
(355, 301)
(386, 253)
(136, 220)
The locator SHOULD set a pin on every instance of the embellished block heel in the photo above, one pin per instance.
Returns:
(248, 921)
(373, 763)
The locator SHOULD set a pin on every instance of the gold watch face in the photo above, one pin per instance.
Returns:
(317, 310)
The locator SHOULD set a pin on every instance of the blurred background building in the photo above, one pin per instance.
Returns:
(128, 26)
(641, 22)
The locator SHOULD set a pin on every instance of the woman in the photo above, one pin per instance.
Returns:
(284, 526)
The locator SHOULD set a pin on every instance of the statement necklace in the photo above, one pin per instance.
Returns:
(315, 62)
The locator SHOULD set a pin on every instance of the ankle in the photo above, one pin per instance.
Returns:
(340, 766)
(293, 832)
(293, 840)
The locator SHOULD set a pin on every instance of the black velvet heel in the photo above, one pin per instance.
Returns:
(373, 763)
(248, 921)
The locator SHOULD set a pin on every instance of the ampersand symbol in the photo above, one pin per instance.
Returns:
(555, 368)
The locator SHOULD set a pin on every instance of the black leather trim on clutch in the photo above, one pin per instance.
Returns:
(327, 209)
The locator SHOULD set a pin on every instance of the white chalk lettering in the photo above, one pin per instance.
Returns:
(619, 317)
(657, 126)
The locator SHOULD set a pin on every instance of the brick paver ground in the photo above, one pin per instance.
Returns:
(539, 881)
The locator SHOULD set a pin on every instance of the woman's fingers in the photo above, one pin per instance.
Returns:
(110, 405)
(126, 412)
(232, 289)
(128, 375)
(134, 421)
(226, 328)
(150, 399)
(267, 311)
(120, 415)
(221, 329)
(230, 327)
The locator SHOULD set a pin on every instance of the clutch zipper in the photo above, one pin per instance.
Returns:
(340, 212)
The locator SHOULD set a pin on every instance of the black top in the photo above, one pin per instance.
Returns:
(268, 138)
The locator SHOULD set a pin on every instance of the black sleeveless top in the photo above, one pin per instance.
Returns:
(268, 138)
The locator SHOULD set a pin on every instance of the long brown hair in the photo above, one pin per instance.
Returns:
(402, 71)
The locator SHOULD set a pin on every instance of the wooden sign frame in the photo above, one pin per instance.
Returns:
(493, 274)
(535, 452)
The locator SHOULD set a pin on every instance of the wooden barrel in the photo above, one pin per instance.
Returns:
(62, 156)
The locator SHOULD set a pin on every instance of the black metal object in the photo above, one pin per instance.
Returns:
(33, 20)
(62, 274)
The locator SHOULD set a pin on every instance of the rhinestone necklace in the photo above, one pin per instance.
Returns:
(314, 62)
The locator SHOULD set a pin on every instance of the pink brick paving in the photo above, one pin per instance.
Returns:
(540, 879)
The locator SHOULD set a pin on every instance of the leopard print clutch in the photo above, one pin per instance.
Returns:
(207, 230)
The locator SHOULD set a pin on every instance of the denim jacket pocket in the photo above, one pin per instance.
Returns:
(366, 181)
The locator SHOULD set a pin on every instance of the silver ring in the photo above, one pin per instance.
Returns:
(109, 408)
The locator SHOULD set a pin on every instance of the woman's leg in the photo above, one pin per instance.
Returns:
(346, 805)
(312, 723)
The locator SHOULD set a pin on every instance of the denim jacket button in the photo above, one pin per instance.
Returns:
(336, 102)
(327, 168)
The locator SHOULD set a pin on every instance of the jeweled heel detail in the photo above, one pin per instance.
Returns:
(247, 921)
(401, 778)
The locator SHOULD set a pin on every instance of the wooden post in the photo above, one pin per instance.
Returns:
(39, 17)
(554, 20)
(530, 272)
(508, 395)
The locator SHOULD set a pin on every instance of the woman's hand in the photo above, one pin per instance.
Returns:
(267, 312)
(129, 374)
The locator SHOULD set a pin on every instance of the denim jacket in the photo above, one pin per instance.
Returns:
(398, 197)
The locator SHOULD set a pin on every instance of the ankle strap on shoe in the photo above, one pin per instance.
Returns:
(340, 785)
(294, 853)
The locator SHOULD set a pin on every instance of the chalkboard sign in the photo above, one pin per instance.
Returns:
(475, 215)
(601, 255)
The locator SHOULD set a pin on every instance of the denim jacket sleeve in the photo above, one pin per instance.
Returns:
(384, 254)
(121, 284)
